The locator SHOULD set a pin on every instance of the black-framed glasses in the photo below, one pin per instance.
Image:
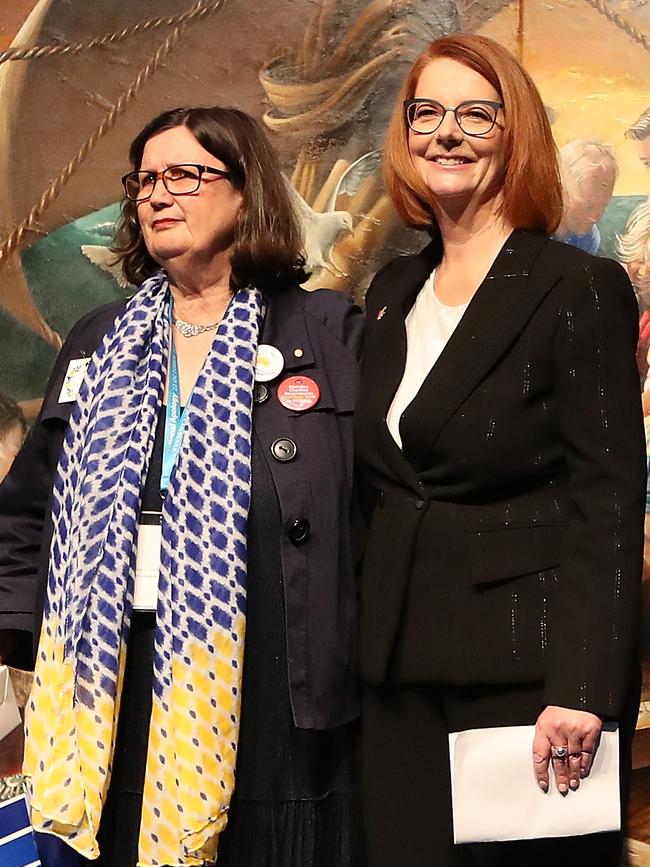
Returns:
(178, 180)
(474, 116)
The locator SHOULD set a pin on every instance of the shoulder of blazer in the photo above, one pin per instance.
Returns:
(295, 314)
(83, 339)
(565, 260)
(86, 334)
(338, 315)
(411, 271)
(580, 274)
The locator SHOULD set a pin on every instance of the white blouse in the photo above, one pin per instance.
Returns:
(429, 325)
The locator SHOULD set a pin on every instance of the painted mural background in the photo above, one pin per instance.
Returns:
(79, 79)
(322, 74)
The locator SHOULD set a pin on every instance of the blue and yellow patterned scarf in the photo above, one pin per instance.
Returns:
(199, 642)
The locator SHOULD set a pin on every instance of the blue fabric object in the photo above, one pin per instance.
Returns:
(590, 242)
(16, 851)
(13, 816)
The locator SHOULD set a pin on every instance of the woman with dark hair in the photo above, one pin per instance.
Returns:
(195, 444)
(500, 443)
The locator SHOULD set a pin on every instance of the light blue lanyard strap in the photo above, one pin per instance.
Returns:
(175, 419)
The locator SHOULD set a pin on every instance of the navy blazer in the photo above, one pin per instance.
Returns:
(505, 539)
(319, 334)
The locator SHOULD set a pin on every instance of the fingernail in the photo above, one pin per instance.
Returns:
(563, 789)
(543, 785)
(574, 784)
(583, 773)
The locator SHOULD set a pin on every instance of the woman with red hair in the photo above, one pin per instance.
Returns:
(500, 444)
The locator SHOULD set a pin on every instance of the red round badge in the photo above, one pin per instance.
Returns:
(298, 393)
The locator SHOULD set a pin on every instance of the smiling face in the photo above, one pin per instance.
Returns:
(458, 168)
(182, 232)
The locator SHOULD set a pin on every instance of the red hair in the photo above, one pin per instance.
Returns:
(531, 185)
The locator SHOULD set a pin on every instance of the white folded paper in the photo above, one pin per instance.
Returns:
(495, 794)
(9, 714)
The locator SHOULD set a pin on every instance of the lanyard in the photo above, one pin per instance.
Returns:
(175, 420)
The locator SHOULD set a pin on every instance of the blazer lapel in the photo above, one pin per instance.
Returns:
(385, 350)
(499, 310)
(390, 322)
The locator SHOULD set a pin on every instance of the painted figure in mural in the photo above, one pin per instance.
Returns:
(13, 430)
(500, 442)
(633, 251)
(639, 132)
(202, 432)
(589, 172)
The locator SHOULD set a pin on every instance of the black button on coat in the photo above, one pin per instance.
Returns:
(299, 531)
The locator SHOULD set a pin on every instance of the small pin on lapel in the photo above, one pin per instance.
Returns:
(380, 313)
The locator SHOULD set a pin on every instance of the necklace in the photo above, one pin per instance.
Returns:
(189, 330)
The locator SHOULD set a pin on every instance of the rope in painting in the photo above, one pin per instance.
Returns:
(202, 9)
(620, 22)
(18, 236)
(199, 10)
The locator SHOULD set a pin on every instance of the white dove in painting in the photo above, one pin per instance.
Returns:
(320, 232)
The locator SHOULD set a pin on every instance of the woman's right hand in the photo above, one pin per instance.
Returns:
(575, 733)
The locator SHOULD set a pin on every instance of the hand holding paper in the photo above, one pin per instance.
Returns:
(495, 794)
(568, 739)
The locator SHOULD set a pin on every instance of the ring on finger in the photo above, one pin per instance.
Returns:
(560, 752)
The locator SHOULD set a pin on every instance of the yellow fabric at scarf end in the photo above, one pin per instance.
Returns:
(192, 752)
(199, 847)
(203, 844)
(68, 748)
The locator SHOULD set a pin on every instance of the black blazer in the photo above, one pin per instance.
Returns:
(319, 334)
(505, 540)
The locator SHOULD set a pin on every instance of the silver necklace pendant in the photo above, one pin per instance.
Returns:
(189, 330)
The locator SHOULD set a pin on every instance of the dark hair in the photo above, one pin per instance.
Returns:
(10, 415)
(267, 248)
(532, 189)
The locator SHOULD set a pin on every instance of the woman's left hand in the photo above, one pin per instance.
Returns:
(574, 735)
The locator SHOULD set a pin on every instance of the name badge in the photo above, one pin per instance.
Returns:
(73, 378)
(147, 567)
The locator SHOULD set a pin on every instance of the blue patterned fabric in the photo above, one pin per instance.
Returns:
(73, 710)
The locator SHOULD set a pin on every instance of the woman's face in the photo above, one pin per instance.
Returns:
(10, 442)
(188, 230)
(456, 167)
(639, 274)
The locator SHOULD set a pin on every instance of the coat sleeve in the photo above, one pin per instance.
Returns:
(593, 647)
(24, 499)
(24, 503)
(26, 490)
